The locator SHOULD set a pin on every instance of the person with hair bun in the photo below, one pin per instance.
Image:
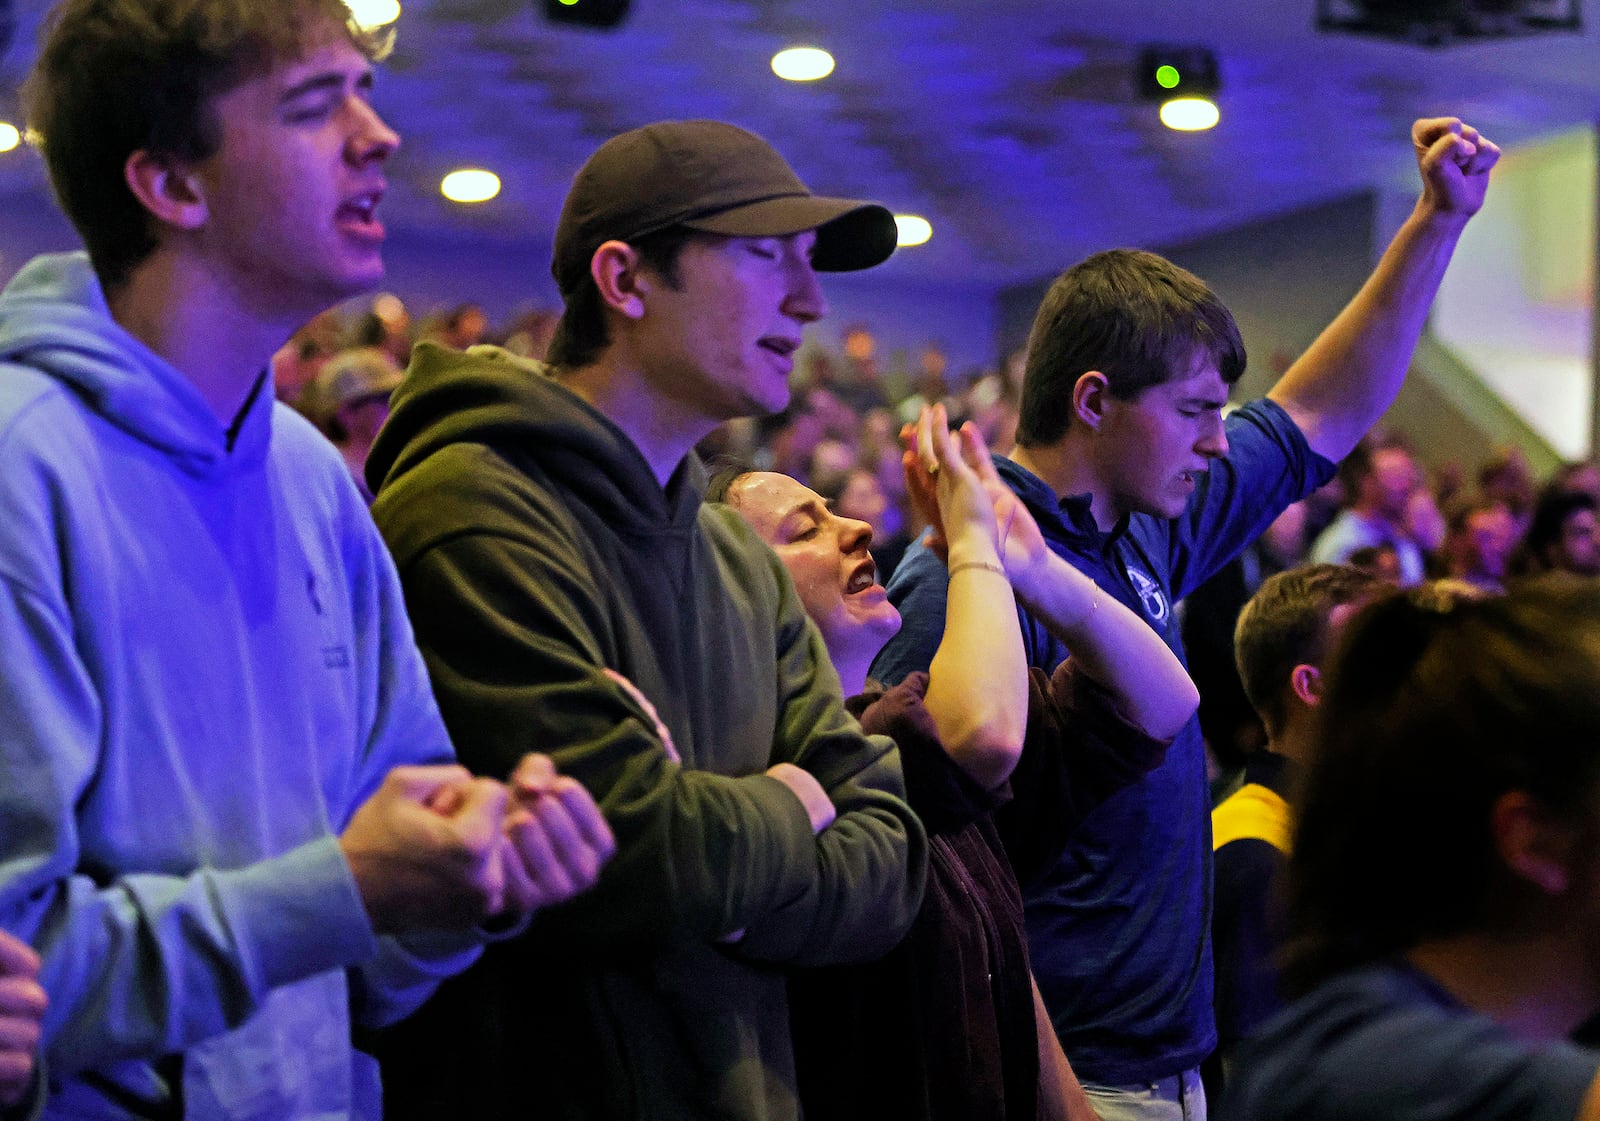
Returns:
(1444, 890)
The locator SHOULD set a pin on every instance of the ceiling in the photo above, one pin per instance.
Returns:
(1011, 125)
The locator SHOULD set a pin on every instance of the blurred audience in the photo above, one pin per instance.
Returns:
(1480, 537)
(386, 326)
(1580, 475)
(294, 368)
(1229, 723)
(1284, 635)
(1442, 922)
(350, 399)
(1506, 478)
(464, 326)
(1564, 534)
(1379, 479)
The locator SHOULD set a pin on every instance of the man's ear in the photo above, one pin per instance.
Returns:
(1536, 847)
(1306, 682)
(1089, 396)
(170, 192)
(620, 276)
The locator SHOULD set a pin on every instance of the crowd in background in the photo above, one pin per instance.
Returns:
(840, 434)
(1487, 523)
(678, 874)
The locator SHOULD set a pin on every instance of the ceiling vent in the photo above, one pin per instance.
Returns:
(1439, 23)
(601, 15)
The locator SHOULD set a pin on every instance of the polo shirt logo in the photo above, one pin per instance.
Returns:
(1150, 595)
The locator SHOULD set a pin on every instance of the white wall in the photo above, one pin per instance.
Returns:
(1516, 303)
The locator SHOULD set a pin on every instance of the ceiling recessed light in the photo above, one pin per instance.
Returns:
(9, 136)
(1190, 114)
(802, 64)
(914, 229)
(369, 15)
(470, 184)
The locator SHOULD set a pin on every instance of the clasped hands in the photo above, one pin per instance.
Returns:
(439, 848)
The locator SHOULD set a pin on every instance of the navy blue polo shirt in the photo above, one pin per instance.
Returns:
(1119, 925)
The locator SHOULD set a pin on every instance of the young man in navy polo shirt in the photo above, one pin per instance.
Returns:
(1125, 460)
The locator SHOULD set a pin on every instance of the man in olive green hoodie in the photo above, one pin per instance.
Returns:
(549, 531)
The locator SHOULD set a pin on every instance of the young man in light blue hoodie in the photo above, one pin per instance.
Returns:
(230, 823)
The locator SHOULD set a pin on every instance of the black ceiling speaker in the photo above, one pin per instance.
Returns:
(587, 13)
(1438, 23)
(1165, 72)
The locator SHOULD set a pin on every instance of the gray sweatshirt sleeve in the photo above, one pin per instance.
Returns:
(146, 964)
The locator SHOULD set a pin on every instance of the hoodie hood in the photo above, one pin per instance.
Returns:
(54, 320)
(512, 406)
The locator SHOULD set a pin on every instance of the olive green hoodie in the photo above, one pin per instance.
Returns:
(536, 550)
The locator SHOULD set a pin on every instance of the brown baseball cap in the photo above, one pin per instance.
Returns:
(713, 177)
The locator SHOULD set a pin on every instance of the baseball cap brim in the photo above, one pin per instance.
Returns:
(851, 234)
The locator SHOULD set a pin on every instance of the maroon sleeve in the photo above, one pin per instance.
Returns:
(941, 793)
(1080, 749)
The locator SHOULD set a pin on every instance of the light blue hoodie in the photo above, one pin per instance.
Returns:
(205, 667)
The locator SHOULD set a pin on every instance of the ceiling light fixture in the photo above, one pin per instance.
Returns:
(802, 64)
(913, 229)
(470, 184)
(9, 136)
(369, 15)
(1190, 114)
(1184, 81)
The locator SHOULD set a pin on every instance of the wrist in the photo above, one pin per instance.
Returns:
(993, 568)
(1032, 581)
(1431, 217)
(972, 548)
(1057, 590)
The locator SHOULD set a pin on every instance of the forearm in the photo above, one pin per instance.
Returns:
(978, 681)
(1061, 1096)
(138, 963)
(152, 964)
(871, 865)
(406, 970)
(1343, 383)
(699, 852)
(868, 867)
(1115, 647)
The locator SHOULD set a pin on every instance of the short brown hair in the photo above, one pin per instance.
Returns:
(119, 76)
(581, 333)
(1285, 624)
(1137, 318)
